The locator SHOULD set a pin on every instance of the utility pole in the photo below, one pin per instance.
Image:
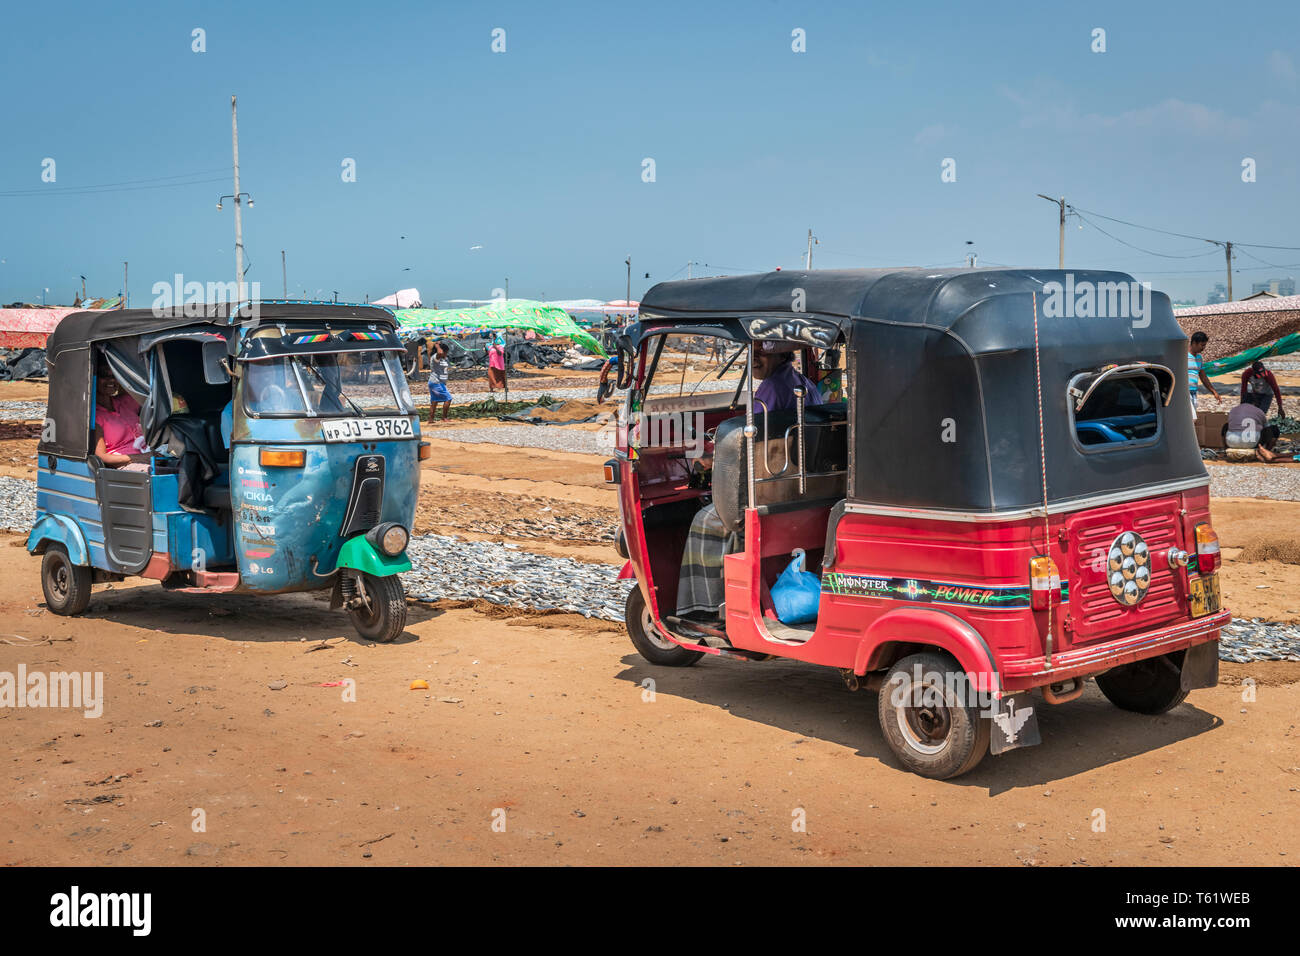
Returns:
(688, 270)
(83, 288)
(239, 228)
(1227, 251)
(812, 240)
(126, 295)
(1060, 259)
(284, 274)
(629, 280)
(507, 288)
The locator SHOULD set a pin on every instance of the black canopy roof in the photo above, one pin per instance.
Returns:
(80, 328)
(946, 366)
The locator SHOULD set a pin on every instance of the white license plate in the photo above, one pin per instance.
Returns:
(366, 429)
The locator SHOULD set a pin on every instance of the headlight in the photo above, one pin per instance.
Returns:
(394, 540)
(390, 538)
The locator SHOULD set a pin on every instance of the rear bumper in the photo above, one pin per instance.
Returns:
(1026, 672)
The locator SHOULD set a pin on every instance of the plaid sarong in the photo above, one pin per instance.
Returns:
(700, 587)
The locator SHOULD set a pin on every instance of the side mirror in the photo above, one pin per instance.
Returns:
(215, 369)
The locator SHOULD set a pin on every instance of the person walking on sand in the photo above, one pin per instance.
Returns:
(497, 364)
(1196, 368)
(438, 393)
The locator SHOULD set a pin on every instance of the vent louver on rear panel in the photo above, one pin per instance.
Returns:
(1096, 611)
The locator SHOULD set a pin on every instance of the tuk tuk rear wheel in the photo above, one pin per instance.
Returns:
(928, 727)
(647, 641)
(381, 616)
(1152, 686)
(66, 585)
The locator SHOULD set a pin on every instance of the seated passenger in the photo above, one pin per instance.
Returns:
(119, 439)
(774, 367)
(700, 593)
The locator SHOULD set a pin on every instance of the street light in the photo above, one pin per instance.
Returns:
(1060, 259)
(237, 200)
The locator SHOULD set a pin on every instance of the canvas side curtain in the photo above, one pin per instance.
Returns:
(140, 375)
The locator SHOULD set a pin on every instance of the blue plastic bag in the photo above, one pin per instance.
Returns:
(796, 593)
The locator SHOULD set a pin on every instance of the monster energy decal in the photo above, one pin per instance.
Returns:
(1012, 596)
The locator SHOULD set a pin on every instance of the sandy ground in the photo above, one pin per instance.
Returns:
(542, 722)
(551, 731)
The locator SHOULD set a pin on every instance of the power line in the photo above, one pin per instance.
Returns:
(1181, 235)
(1149, 252)
(157, 182)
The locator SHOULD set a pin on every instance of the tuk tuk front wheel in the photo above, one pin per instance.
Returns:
(647, 641)
(66, 585)
(1152, 686)
(927, 725)
(380, 612)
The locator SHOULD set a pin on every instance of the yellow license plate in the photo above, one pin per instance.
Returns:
(1204, 595)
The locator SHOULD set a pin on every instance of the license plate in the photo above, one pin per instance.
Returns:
(1204, 594)
(366, 429)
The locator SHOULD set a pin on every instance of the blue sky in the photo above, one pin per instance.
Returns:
(535, 154)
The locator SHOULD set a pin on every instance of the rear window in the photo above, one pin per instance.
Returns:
(1120, 410)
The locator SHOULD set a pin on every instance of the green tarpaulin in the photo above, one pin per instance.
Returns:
(1230, 363)
(520, 314)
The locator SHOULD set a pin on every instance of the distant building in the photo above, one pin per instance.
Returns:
(1220, 294)
(1275, 286)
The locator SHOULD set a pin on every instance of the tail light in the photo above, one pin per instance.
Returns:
(1207, 549)
(1044, 583)
(281, 458)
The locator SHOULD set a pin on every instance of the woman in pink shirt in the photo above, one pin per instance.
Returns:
(119, 439)
(497, 364)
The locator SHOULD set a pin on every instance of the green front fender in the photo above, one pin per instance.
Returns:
(360, 555)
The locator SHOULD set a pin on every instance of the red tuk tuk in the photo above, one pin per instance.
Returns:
(996, 497)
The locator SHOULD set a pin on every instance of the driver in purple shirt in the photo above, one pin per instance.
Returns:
(774, 367)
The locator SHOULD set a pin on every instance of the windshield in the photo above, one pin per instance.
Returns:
(330, 384)
(682, 365)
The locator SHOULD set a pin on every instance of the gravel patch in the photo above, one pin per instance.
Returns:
(1244, 641)
(1279, 482)
(18, 411)
(503, 574)
(549, 437)
(17, 503)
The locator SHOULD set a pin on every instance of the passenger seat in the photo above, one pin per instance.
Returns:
(826, 449)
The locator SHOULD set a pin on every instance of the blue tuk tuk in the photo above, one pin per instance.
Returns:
(264, 449)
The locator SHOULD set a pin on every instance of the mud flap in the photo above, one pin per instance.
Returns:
(1015, 723)
(1200, 666)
